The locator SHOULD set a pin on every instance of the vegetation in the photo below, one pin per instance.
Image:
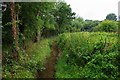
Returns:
(86, 48)
(107, 26)
(88, 55)
(30, 61)
(111, 16)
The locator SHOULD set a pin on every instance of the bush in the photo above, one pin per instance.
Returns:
(17, 71)
(30, 61)
(107, 26)
(93, 55)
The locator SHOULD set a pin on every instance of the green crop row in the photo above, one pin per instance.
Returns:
(88, 55)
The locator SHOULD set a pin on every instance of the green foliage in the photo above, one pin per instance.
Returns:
(88, 55)
(63, 17)
(29, 61)
(30, 21)
(77, 24)
(6, 29)
(39, 53)
(83, 54)
(18, 72)
(107, 26)
(89, 25)
(111, 16)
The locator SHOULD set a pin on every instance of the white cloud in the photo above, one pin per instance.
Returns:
(94, 9)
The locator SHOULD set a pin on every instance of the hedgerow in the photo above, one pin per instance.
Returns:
(93, 55)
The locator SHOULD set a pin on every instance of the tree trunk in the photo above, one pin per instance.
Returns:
(38, 36)
(14, 26)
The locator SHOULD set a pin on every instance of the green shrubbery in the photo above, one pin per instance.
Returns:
(88, 55)
(29, 62)
(107, 26)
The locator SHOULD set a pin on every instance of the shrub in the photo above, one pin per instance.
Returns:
(29, 61)
(93, 55)
(107, 26)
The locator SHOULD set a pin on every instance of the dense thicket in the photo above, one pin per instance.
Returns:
(36, 19)
(88, 55)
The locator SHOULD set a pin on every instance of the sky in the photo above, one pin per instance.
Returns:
(93, 9)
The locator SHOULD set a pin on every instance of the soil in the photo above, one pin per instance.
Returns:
(50, 63)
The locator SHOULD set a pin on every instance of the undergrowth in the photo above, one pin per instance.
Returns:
(88, 55)
(29, 62)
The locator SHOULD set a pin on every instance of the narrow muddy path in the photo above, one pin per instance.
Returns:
(49, 71)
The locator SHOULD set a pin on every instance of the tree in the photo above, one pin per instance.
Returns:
(14, 30)
(89, 25)
(63, 17)
(111, 16)
(77, 24)
(10, 33)
(36, 19)
(107, 26)
(49, 21)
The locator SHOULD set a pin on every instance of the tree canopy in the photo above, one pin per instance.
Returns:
(111, 16)
(107, 26)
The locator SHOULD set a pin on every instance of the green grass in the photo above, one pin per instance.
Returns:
(30, 61)
(88, 55)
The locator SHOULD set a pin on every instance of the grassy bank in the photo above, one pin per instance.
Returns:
(29, 61)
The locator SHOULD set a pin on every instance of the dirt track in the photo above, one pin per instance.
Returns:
(50, 63)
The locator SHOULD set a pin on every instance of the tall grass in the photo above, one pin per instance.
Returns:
(29, 61)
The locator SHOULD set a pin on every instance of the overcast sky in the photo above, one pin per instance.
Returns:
(93, 9)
